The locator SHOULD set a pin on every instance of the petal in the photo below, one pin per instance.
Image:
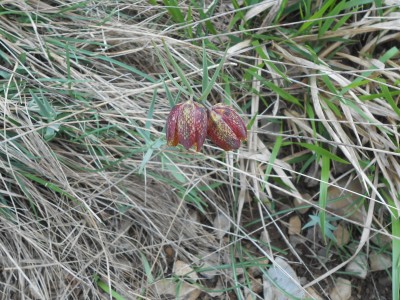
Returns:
(200, 117)
(186, 125)
(220, 133)
(233, 120)
(171, 132)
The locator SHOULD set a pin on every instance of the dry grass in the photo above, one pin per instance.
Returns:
(93, 200)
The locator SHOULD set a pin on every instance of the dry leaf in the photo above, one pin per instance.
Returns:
(238, 48)
(194, 295)
(258, 9)
(285, 277)
(221, 224)
(183, 269)
(391, 2)
(209, 269)
(168, 286)
(343, 197)
(342, 235)
(394, 24)
(294, 225)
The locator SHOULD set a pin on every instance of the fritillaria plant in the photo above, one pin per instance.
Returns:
(225, 127)
(190, 122)
(187, 125)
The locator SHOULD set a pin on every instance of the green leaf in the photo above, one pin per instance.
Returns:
(204, 82)
(323, 152)
(173, 8)
(268, 61)
(150, 114)
(274, 155)
(210, 85)
(320, 12)
(251, 123)
(282, 93)
(171, 167)
(178, 69)
(151, 147)
(171, 100)
(106, 288)
(323, 193)
(76, 51)
(45, 109)
(388, 96)
(395, 246)
(147, 269)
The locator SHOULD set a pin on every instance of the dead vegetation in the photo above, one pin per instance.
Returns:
(95, 205)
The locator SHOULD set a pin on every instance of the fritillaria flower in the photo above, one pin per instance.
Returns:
(187, 125)
(225, 127)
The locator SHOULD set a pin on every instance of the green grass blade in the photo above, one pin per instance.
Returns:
(46, 110)
(282, 93)
(320, 12)
(173, 8)
(323, 152)
(204, 81)
(211, 83)
(105, 287)
(147, 268)
(395, 249)
(171, 99)
(87, 53)
(323, 194)
(388, 96)
(274, 155)
(150, 114)
(178, 70)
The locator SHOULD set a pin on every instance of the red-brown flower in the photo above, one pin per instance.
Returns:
(187, 125)
(225, 127)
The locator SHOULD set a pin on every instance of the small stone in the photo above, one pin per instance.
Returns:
(382, 240)
(256, 288)
(294, 225)
(257, 285)
(342, 235)
(194, 295)
(379, 261)
(312, 294)
(358, 266)
(342, 290)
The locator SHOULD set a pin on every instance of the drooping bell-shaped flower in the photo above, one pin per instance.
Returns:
(187, 125)
(225, 127)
